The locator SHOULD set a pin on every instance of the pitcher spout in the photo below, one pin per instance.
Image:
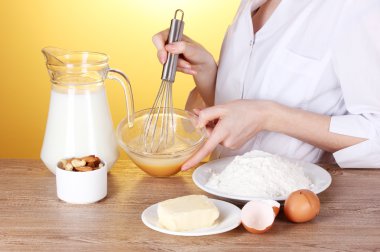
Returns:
(53, 55)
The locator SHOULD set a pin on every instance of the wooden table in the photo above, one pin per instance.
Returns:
(32, 218)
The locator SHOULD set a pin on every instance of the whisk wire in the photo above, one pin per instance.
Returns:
(171, 113)
(148, 133)
(156, 116)
(164, 124)
(159, 125)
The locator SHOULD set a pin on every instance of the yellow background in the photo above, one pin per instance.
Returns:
(122, 29)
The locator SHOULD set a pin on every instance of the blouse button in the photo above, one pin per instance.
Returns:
(251, 42)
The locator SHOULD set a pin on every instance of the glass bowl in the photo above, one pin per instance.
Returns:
(188, 139)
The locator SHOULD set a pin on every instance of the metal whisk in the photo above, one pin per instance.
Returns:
(159, 128)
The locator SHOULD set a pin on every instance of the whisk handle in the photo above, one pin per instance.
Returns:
(175, 35)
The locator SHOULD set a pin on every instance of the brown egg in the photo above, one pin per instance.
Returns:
(257, 216)
(302, 206)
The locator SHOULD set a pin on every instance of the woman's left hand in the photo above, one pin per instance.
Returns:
(237, 122)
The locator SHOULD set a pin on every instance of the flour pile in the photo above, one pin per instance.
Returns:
(260, 174)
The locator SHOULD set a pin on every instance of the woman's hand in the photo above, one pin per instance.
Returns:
(193, 60)
(237, 122)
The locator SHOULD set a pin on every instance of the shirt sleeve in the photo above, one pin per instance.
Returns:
(356, 60)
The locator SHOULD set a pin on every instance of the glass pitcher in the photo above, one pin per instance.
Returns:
(79, 121)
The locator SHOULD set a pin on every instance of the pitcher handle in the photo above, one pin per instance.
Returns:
(126, 84)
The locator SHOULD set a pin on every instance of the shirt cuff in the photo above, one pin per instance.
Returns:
(351, 125)
(365, 154)
(361, 155)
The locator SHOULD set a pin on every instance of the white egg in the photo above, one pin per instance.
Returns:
(257, 216)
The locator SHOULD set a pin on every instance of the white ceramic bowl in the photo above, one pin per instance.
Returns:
(81, 187)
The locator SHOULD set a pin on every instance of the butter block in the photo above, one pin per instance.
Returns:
(187, 213)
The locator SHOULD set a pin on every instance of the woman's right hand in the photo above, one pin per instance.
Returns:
(194, 60)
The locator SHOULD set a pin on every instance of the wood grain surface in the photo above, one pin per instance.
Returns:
(33, 219)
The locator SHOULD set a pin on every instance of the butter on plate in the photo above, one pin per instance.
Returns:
(187, 213)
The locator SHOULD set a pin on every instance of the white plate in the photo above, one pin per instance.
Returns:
(320, 178)
(229, 219)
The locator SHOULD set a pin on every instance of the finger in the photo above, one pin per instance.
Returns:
(209, 131)
(196, 111)
(186, 48)
(186, 71)
(216, 137)
(186, 38)
(183, 63)
(209, 114)
(159, 40)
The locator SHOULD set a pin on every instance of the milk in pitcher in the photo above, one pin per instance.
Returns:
(79, 124)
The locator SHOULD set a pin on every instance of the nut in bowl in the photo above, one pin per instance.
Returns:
(167, 162)
(83, 164)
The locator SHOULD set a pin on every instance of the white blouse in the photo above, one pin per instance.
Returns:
(320, 56)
